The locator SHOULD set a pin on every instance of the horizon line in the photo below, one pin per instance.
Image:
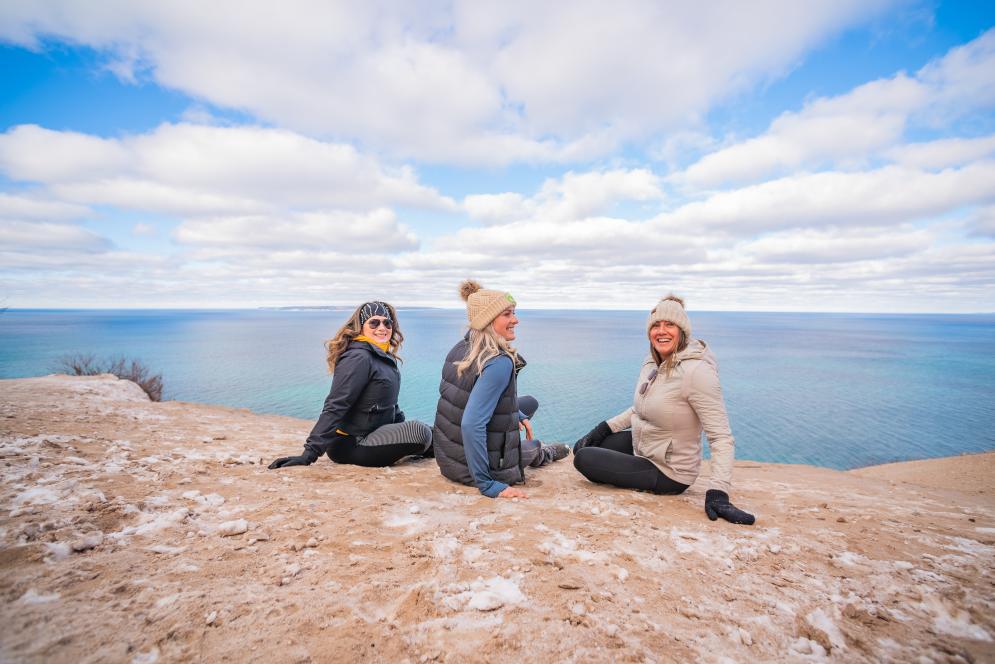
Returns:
(335, 307)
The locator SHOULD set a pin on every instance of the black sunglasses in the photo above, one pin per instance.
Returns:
(375, 323)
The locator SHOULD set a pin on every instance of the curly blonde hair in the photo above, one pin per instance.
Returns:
(353, 328)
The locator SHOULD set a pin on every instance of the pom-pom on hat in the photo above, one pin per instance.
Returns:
(670, 308)
(483, 306)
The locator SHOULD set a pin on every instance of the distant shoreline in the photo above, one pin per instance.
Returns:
(350, 307)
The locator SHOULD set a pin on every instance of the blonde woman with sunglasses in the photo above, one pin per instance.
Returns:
(655, 445)
(361, 422)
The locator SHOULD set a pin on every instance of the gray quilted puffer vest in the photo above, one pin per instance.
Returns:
(503, 440)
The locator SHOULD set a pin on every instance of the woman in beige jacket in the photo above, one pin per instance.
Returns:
(655, 445)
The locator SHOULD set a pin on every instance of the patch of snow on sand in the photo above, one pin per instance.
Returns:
(850, 558)
(445, 547)
(482, 595)
(953, 620)
(150, 657)
(38, 495)
(405, 520)
(820, 621)
(806, 649)
(150, 522)
(561, 546)
(971, 546)
(210, 500)
(716, 547)
(428, 516)
(57, 551)
(32, 596)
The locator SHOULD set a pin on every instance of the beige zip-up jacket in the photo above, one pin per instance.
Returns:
(668, 419)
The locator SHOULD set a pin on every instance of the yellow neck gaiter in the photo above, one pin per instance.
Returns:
(381, 346)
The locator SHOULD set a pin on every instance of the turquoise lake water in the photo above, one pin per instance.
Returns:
(836, 390)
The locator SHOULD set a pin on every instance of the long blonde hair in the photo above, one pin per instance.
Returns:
(485, 345)
(353, 328)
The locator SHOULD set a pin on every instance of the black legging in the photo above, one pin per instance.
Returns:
(383, 446)
(613, 462)
(345, 450)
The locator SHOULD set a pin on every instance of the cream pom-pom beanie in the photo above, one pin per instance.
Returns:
(483, 306)
(670, 308)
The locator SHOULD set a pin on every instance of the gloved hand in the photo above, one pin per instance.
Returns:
(306, 459)
(717, 505)
(593, 437)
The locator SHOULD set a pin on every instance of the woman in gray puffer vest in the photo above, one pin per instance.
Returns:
(361, 422)
(479, 415)
(655, 445)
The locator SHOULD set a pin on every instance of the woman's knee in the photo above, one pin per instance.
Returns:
(664, 486)
(583, 461)
(426, 434)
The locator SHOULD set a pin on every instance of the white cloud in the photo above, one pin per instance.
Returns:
(35, 236)
(591, 241)
(13, 206)
(344, 232)
(466, 81)
(810, 247)
(571, 197)
(831, 208)
(854, 127)
(196, 169)
(890, 194)
(869, 118)
(31, 153)
(942, 153)
(497, 208)
(963, 80)
(982, 222)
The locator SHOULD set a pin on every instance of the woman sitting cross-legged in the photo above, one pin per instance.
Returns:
(477, 421)
(361, 423)
(655, 445)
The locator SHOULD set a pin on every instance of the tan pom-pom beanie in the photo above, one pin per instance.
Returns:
(483, 306)
(670, 308)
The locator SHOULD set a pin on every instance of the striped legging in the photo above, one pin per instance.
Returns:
(383, 446)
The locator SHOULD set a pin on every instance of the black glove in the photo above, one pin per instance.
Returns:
(717, 505)
(594, 437)
(306, 459)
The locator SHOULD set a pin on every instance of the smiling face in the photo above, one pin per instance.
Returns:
(664, 337)
(505, 324)
(378, 328)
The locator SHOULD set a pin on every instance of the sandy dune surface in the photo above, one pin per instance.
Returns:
(133, 531)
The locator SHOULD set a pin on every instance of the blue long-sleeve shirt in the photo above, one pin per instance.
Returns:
(479, 410)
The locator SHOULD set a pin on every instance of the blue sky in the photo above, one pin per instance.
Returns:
(835, 156)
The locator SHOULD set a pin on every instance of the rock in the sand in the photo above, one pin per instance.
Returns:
(236, 527)
(87, 542)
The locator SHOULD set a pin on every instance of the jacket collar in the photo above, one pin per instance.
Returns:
(373, 349)
(695, 350)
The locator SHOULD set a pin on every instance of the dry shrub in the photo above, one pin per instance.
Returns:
(86, 364)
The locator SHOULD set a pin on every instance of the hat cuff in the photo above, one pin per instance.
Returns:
(486, 316)
(673, 312)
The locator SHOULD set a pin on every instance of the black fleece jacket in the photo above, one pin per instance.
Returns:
(363, 396)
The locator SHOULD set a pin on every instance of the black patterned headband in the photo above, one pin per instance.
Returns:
(374, 308)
